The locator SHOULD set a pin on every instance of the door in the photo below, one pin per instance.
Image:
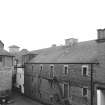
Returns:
(100, 97)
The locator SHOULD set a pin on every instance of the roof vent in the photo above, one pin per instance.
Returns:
(71, 42)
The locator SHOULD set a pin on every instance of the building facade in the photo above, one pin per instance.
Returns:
(6, 70)
(73, 74)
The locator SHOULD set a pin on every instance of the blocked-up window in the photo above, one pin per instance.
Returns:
(85, 70)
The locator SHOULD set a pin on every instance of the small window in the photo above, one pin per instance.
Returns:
(32, 79)
(85, 70)
(0, 58)
(32, 91)
(51, 71)
(66, 90)
(85, 91)
(32, 68)
(52, 67)
(65, 69)
(41, 67)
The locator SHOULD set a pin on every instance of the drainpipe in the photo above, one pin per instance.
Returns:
(91, 84)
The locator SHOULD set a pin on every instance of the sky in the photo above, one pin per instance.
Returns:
(36, 24)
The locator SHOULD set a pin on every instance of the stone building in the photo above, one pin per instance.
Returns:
(6, 68)
(71, 74)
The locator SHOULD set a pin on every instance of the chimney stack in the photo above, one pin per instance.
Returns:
(101, 35)
(71, 42)
(53, 45)
(14, 49)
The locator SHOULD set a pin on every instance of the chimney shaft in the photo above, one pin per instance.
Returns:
(70, 42)
(53, 45)
(101, 35)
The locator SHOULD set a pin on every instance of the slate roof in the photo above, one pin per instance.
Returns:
(5, 53)
(84, 52)
(1, 42)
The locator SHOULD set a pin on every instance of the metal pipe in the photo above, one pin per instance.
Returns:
(91, 84)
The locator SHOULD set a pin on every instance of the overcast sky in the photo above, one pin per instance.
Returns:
(36, 24)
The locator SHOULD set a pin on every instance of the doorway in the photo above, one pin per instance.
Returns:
(100, 96)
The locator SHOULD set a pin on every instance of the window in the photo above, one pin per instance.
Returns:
(41, 67)
(32, 92)
(0, 58)
(32, 68)
(66, 90)
(51, 71)
(84, 91)
(32, 79)
(85, 70)
(65, 69)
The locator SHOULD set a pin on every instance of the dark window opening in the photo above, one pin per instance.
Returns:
(0, 58)
(41, 67)
(85, 92)
(51, 71)
(85, 71)
(32, 79)
(65, 70)
(32, 68)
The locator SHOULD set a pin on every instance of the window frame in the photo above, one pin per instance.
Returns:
(32, 78)
(87, 70)
(1, 58)
(83, 92)
(68, 89)
(51, 70)
(41, 67)
(67, 70)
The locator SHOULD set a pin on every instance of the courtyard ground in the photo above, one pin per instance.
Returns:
(18, 99)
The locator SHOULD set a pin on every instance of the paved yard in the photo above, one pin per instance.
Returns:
(22, 100)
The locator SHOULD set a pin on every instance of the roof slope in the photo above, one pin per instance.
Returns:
(82, 52)
(4, 52)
